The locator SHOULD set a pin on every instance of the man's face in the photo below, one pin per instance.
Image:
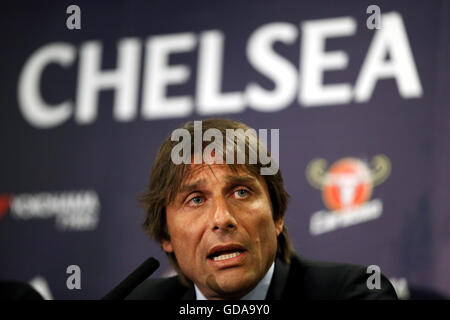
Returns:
(222, 230)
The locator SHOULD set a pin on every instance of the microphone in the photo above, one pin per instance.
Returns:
(133, 280)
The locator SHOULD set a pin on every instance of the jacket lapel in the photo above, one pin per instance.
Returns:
(189, 294)
(279, 280)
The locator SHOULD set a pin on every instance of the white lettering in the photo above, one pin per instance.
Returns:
(209, 98)
(306, 84)
(34, 109)
(392, 39)
(282, 72)
(72, 210)
(314, 62)
(158, 75)
(124, 80)
(74, 281)
(326, 221)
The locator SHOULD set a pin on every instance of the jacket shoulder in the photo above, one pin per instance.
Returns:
(329, 280)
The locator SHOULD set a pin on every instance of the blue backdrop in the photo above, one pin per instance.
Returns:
(363, 115)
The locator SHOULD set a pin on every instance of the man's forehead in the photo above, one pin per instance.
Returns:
(201, 173)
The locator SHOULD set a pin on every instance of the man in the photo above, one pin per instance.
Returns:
(222, 226)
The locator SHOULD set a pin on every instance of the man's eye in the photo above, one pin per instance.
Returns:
(197, 200)
(241, 193)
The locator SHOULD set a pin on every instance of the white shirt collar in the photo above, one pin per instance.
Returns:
(258, 293)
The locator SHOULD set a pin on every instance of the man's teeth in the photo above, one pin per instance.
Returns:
(226, 256)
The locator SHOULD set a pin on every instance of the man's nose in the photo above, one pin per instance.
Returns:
(223, 218)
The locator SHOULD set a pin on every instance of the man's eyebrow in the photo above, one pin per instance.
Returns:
(195, 185)
(240, 179)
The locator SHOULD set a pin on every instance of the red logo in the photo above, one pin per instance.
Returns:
(4, 204)
(347, 183)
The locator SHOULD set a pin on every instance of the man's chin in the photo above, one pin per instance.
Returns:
(231, 286)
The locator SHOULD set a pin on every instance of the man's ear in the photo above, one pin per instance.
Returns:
(167, 246)
(279, 224)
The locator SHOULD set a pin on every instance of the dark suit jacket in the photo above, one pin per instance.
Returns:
(301, 279)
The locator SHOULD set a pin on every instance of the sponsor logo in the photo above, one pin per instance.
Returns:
(346, 187)
(4, 204)
(72, 210)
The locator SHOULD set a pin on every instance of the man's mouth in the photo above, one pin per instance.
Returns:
(225, 256)
(225, 252)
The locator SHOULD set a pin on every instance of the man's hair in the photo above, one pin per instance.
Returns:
(166, 179)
